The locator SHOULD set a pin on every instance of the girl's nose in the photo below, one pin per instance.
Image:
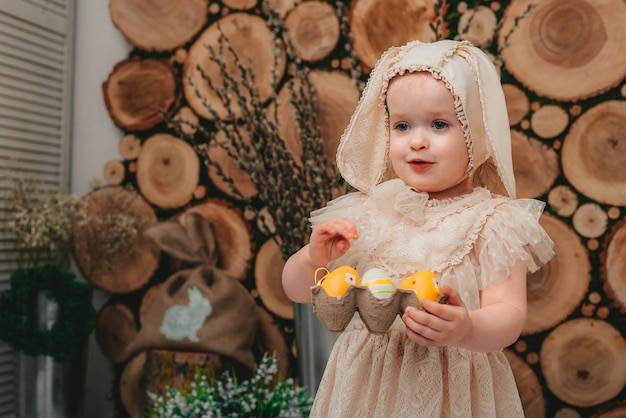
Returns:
(419, 140)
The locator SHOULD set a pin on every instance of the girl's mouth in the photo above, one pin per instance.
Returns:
(420, 165)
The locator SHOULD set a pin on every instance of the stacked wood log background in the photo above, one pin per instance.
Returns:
(563, 70)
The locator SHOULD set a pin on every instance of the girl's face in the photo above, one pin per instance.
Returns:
(427, 148)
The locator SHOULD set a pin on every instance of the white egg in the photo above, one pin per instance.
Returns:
(378, 282)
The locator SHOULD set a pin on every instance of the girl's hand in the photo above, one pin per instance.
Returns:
(331, 239)
(438, 324)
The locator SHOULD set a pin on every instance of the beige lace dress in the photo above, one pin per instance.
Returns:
(470, 242)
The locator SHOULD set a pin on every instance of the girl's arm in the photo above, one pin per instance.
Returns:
(329, 240)
(496, 325)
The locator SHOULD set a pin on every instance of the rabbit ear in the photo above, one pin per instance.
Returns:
(190, 239)
(201, 236)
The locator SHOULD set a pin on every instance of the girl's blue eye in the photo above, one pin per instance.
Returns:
(439, 125)
(402, 126)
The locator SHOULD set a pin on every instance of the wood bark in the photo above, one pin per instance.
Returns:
(558, 288)
(528, 385)
(377, 25)
(594, 153)
(566, 50)
(168, 171)
(268, 278)
(251, 40)
(584, 362)
(313, 28)
(139, 91)
(614, 266)
(115, 330)
(158, 25)
(232, 235)
(121, 272)
(536, 166)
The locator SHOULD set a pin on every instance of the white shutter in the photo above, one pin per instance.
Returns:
(36, 48)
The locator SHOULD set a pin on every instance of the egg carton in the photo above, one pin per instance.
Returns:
(377, 314)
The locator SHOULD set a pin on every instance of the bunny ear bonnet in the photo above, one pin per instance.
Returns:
(475, 85)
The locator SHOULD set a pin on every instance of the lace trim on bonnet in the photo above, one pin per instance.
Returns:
(362, 155)
(436, 73)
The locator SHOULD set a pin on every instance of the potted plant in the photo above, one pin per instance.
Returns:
(264, 395)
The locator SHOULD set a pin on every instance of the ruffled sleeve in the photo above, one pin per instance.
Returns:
(511, 233)
(346, 206)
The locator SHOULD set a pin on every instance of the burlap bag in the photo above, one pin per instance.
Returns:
(200, 308)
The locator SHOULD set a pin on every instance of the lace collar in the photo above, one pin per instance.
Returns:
(413, 204)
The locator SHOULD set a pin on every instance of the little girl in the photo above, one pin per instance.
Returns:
(429, 151)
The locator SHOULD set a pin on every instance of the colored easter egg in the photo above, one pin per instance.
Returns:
(337, 282)
(378, 282)
(424, 283)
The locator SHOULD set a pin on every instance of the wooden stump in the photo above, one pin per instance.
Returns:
(517, 105)
(139, 91)
(478, 25)
(558, 288)
(224, 170)
(131, 390)
(549, 121)
(168, 171)
(536, 166)
(313, 28)
(566, 49)
(614, 266)
(271, 340)
(251, 40)
(158, 25)
(528, 385)
(130, 146)
(584, 362)
(115, 330)
(594, 153)
(377, 25)
(121, 272)
(268, 278)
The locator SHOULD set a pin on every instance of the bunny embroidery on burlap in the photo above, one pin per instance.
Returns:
(182, 321)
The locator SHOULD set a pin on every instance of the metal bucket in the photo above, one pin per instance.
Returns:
(45, 388)
(314, 343)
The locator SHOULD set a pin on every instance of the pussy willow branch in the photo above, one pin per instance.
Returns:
(288, 190)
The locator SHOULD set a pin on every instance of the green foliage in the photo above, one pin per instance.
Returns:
(75, 320)
(262, 396)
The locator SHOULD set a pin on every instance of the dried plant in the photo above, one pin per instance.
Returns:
(108, 227)
(41, 221)
(288, 190)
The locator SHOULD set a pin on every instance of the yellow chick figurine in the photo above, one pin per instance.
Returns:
(424, 283)
(337, 282)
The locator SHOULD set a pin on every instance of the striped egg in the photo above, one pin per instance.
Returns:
(378, 282)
